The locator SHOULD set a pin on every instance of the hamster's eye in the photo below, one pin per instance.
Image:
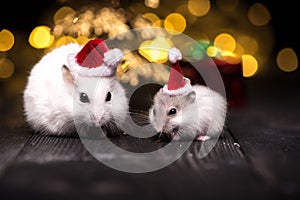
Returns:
(154, 112)
(108, 96)
(84, 98)
(172, 111)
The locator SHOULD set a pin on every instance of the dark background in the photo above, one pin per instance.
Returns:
(23, 16)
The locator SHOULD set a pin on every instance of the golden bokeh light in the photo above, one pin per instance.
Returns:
(82, 40)
(151, 17)
(155, 50)
(7, 40)
(259, 15)
(144, 50)
(41, 37)
(158, 23)
(225, 42)
(239, 49)
(249, 64)
(230, 57)
(287, 60)
(212, 51)
(175, 22)
(6, 68)
(64, 40)
(152, 3)
(249, 44)
(199, 7)
(184, 11)
(62, 13)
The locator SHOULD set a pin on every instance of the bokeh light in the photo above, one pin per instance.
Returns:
(152, 3)
(225, 42)
(6, 68)
(175, 22)
(249, 64)
(151, 17)
(287, 60)
(248, 44)
(64, 40)
(7, 40)
(156, 50)
(199, 7)
(212, 51)
(259, 15)
(41, 37)
(62, 13)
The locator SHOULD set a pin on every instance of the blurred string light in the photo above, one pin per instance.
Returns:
(41, 37)
(211, 25)
(152, 3)
(175, 22)
(287, 60)
(6, 68)
(156, 50)
(259, 15)
(199, 7)
(249, 64)
(7, 41)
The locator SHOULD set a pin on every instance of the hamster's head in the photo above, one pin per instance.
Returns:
(174, 116)
(98, 101)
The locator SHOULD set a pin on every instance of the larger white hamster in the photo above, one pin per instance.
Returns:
(183, 111)
(57, 95)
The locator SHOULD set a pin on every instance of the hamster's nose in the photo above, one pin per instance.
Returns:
(98, 119)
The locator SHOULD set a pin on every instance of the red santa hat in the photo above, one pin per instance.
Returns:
(177, 83)
(95, 59)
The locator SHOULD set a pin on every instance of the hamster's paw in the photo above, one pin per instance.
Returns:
(202, 138)
(174, 55)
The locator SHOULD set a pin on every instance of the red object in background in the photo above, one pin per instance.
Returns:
(231, 74)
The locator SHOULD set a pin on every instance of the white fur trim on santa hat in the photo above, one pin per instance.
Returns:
(185, 89)
(113, 57)
(101, 70)
(174, 55)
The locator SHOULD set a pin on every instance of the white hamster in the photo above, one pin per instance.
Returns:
(55, 97)
(183, 111)
(199, 114)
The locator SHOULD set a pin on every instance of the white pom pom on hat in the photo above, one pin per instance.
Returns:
(177, 83)
(95, 59)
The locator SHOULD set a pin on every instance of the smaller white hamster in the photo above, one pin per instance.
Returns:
(182, 111)
(75, 84)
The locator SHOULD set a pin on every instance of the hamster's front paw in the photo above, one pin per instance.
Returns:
(202, 138)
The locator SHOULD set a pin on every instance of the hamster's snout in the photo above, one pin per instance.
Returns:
(98, 119)
(175, 129)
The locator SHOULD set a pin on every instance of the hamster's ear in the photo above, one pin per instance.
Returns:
(67, 76)
(190, 97)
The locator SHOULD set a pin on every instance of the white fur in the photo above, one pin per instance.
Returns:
(51, 105)
(203, 117)
(179, 91)
(174, 55)
(113, 57)
(101, 70)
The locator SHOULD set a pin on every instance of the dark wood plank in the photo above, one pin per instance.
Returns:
(12, 140)
(61, 168)
(272, 137)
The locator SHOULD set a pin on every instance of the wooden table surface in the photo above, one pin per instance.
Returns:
(257, 157)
